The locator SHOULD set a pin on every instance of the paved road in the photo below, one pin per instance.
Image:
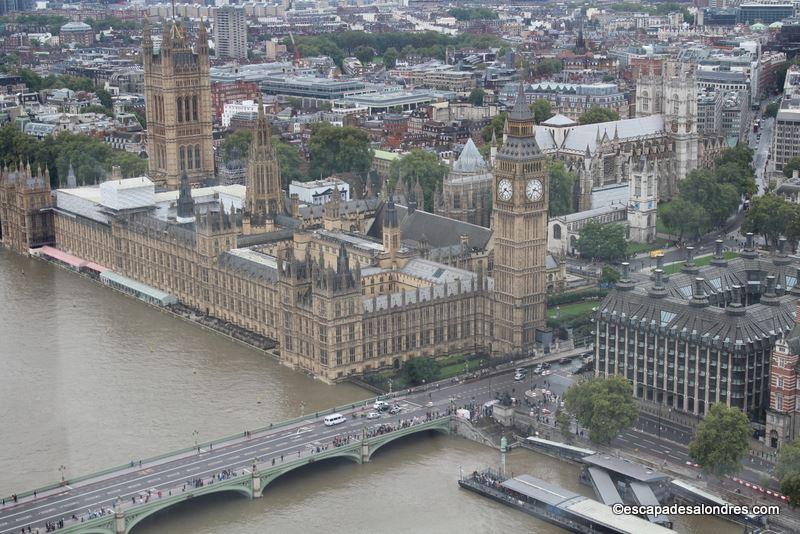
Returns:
(102, 493)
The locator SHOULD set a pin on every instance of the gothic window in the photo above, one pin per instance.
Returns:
(645, 101)
(194, 108)
(186, 110)
(189, 159)
(779, 402)
(556, 231)
(675, 105)
(197, 157)
(456, 201)
(650, 185)
(179, 106)
(779, 382)
(183, 158)
(637, 188)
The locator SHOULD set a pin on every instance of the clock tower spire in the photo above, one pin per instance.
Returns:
(519, 222)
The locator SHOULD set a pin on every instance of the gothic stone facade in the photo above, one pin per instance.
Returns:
(25, 218)
(178, 102)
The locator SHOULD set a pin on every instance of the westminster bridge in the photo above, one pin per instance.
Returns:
(114, 501)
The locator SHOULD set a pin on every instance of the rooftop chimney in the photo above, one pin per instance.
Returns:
(625, 283)
(781, 256)
(719, 257)
(689, 267)
(735, 307)
(658, 290)
(698, 293)
(749, 251)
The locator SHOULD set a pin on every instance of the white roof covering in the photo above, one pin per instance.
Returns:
(601, 513)
(470, 159)
(559, 120)
(578, 138)
(435, 272)
(256, 257)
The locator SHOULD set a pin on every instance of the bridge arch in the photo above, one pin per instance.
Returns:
(393, 436)
(352, 452)
(134, 517)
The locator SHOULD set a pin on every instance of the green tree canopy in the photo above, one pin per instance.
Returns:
(476, 96)
(333, 150)
(420, 369)
(684, 218)
(791, 165)
(478, 13)
(564, 422)
(787, 471)
(390, 57)
(597, 114)
(772, 110)
(364, 54)
(541, 110)
(548, 67)
(604, 242)
(702, 188)
(561, 184)
(423, 166)
(290, 162)
(91, 158)
(721, 441)
(609, 274)
(236, 145)
(769, 216)
(603, 405)
(496, 124)
(105, 98)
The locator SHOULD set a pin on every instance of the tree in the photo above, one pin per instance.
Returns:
(561, 183)
(236, 145)
(390, 57)
(719, 200)
(790, 486)
(420, 369)
(597, 114)
(792, 165)
(541, 110)
(141, 117)
(496, 124)
(334, 150)
(289, 161)
(684, 218)
(769, 216)
(721, 440)
(105, 98)
(603, 405)
(787, 471)
(364, 54)
(772, 110)
(564, 424)
(609, 275)
(423, 166)
(476, 96)
(548, 66)
(602, 241)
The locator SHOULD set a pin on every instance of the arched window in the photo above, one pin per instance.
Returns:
(675, 105)
(179, 107)
(190, 159)
(183, 158)
(194, 108)
(556, 231)
(645, 99)
(197, 157)
(187, 111)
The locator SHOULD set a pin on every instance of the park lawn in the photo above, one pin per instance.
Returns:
(637, 248)
(673, 268)
(570, 311)
(449, 371)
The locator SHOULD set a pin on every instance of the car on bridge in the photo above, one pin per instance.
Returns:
(396, 409)
(381, 405)
(373, 415)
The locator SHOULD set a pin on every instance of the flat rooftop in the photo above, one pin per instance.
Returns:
(624, 468)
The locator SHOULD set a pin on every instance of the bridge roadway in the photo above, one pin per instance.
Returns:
(113, 501)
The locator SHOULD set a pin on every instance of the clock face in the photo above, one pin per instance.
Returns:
(504, 189)
(534, 190)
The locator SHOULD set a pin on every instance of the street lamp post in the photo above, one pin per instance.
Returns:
(390, 386)
(62, 469)
(195, 434)
(302, 408)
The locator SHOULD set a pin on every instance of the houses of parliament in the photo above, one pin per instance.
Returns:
(346, 288)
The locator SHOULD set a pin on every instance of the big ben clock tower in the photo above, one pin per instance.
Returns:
(519, 221)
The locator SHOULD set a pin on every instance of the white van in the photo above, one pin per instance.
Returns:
(334, 419)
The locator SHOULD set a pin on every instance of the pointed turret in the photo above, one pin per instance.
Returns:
(521, 111)
(185, 202)
(72, 181)
(202, 39)
(147, 39)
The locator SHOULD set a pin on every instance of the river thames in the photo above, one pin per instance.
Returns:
(91, 379)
